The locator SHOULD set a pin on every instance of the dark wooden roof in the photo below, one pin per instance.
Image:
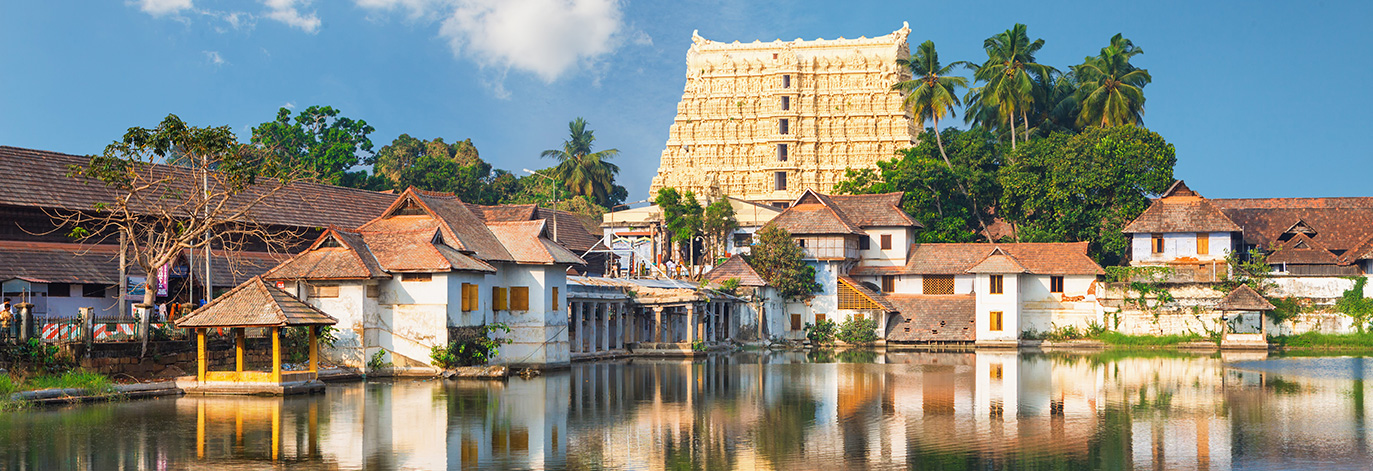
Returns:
(1244, 298)
(1181, 210)
(1337, 223)
(1302, 250)
(1056, 258)
(818, 213)
(255, 304)
(736, 267)
(882, 210)
(999, 262)
(932, 318)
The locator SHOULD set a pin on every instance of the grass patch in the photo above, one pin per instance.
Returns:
(1316, 340)
(94, 383)
(1119, 339)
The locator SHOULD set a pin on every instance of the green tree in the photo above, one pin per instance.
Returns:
(1111, 90)
(1008, 79)
(585, 172)
(681, 217)
(718, 223)
(930, 94)
(778, 259)
(319, 140)
(405, 151)
(1084, 187)
(931, 187)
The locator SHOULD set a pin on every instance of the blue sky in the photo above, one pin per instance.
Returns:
(1260, 98)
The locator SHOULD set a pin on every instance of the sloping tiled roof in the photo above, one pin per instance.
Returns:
(932, 318)
(1339, 223)
(526, 242)
(255, 304)
(462, 229)
(54, 262)
(1057, 258)
(1181, 210)
(36, 178)
(352, 259)
(1301, 249)
(571, 233)
(736, 267)
(874, 210)
(1244, 298)
(998, 262)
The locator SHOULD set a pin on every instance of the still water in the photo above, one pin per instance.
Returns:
(856, 410)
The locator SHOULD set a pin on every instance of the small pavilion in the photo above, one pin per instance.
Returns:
(255, 304)
(1245, 301)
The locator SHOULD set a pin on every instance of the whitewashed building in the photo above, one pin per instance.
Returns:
(1183, 230)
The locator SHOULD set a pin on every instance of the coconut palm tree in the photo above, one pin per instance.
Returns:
(1110, 89)
(582, 171)
(1008, 77)
(930, 91)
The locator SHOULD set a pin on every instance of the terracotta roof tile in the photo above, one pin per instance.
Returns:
(1068, 258)
(1181, 210)
(862, 289)
(1304, 250)
(351, 259)
(998, 262)
(1244, 298)
(932, 318)
(255, 304)
(882, 210)
(526, 241)
(736, 267)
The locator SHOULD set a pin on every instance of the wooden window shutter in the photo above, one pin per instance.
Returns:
(998, 284)
(554, 307)
(468, 304)
(937, 284)
(886, 241)
(819, 318)
(888, 283)
(995, 321)
(499, 301)
(519, 298)
(1156, 241)
(795, 322)
(1055, 284)
(1203, 243)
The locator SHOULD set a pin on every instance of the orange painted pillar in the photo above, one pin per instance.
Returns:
(238, 348)
(276, 354)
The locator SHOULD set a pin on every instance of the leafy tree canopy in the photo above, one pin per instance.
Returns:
(584, 172)
(318, 139)
(777, 258)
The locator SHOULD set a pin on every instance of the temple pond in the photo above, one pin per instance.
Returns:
(849, 410)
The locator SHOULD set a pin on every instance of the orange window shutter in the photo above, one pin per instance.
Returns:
(1203, 243)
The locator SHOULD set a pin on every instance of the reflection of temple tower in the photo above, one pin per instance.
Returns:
(764, 121)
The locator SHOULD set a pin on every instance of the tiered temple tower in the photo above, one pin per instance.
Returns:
(764, 121)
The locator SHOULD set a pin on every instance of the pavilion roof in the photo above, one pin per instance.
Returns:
(255, 304)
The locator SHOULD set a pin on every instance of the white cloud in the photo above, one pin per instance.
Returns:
(289, 106)
(288, 12)
(545, 37)
(214, 57)
(416, 8)
(163, 7)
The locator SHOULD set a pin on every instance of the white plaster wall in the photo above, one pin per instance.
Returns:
(68, 307)
(1042, 311)
(1176, 245)
(915, 284)
(348, 308)
(479, 316)
(1008, 303)
(1313, 286)
(896, 256)
(539, 335)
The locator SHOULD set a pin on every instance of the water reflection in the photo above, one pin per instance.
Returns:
(847, 410)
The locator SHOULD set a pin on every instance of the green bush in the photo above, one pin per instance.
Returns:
(378, 361)
(39, 357)
(477, 350)
(821, 333)
(858, 331)
(295, 341)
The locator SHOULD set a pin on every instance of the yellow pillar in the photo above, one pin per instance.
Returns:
(200, 426)
(201, 360)
(276, 354)
(314, 348)
(238, 348)
(276, 430)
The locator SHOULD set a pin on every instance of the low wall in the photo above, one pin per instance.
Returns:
(165, 359)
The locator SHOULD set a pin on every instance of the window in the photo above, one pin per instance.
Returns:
(864, 242)
(786, 81)
(743, 239)
(92, 291)
(994, 321)
(937, 284)
(59, 290)
(886, 241)
(795, 322)
(374, 291)
(995, 371)
(997, 286)
(519, 298)
(780, 204)
(323, 291)
(782, 127)
(786, 103)
(469, 297)
(781, 152)
(1055, 284)
(801, 243)
(779, 182)
(1157, 243)
(416, 276)
(555, 299)
(888, 283)
(498, 299)
(1203, 243)
(819, 318)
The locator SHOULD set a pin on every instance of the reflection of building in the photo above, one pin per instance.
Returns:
(764, 121)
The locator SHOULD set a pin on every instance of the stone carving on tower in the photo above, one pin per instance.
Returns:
(765, 121)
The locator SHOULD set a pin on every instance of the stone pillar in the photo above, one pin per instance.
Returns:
(574, 322)
(605, 326)
(591, 328)
(693, 321)
(620, 322)
(721, 328)
(657, 325)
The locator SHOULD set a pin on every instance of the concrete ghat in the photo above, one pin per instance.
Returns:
(238, 388)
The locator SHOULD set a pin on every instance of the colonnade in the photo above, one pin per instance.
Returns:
(598, 326)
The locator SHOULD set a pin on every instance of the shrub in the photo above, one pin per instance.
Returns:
(821, 333)
(37, 356)
(295, 342)
(378, 361)
(858, 331)
(476, 350)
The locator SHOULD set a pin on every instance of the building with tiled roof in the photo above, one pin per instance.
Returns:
(1181, 228)
(428, 262)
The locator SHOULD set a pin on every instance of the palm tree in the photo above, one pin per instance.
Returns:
(1110, 89)
(930, 91)
(1008, 77)
(582, 171)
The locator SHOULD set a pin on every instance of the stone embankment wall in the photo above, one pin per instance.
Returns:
(1193, 308)
(167, 359)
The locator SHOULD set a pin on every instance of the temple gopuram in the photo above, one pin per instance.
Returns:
(765, 121)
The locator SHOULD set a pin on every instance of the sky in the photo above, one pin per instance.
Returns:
(1252, 94)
